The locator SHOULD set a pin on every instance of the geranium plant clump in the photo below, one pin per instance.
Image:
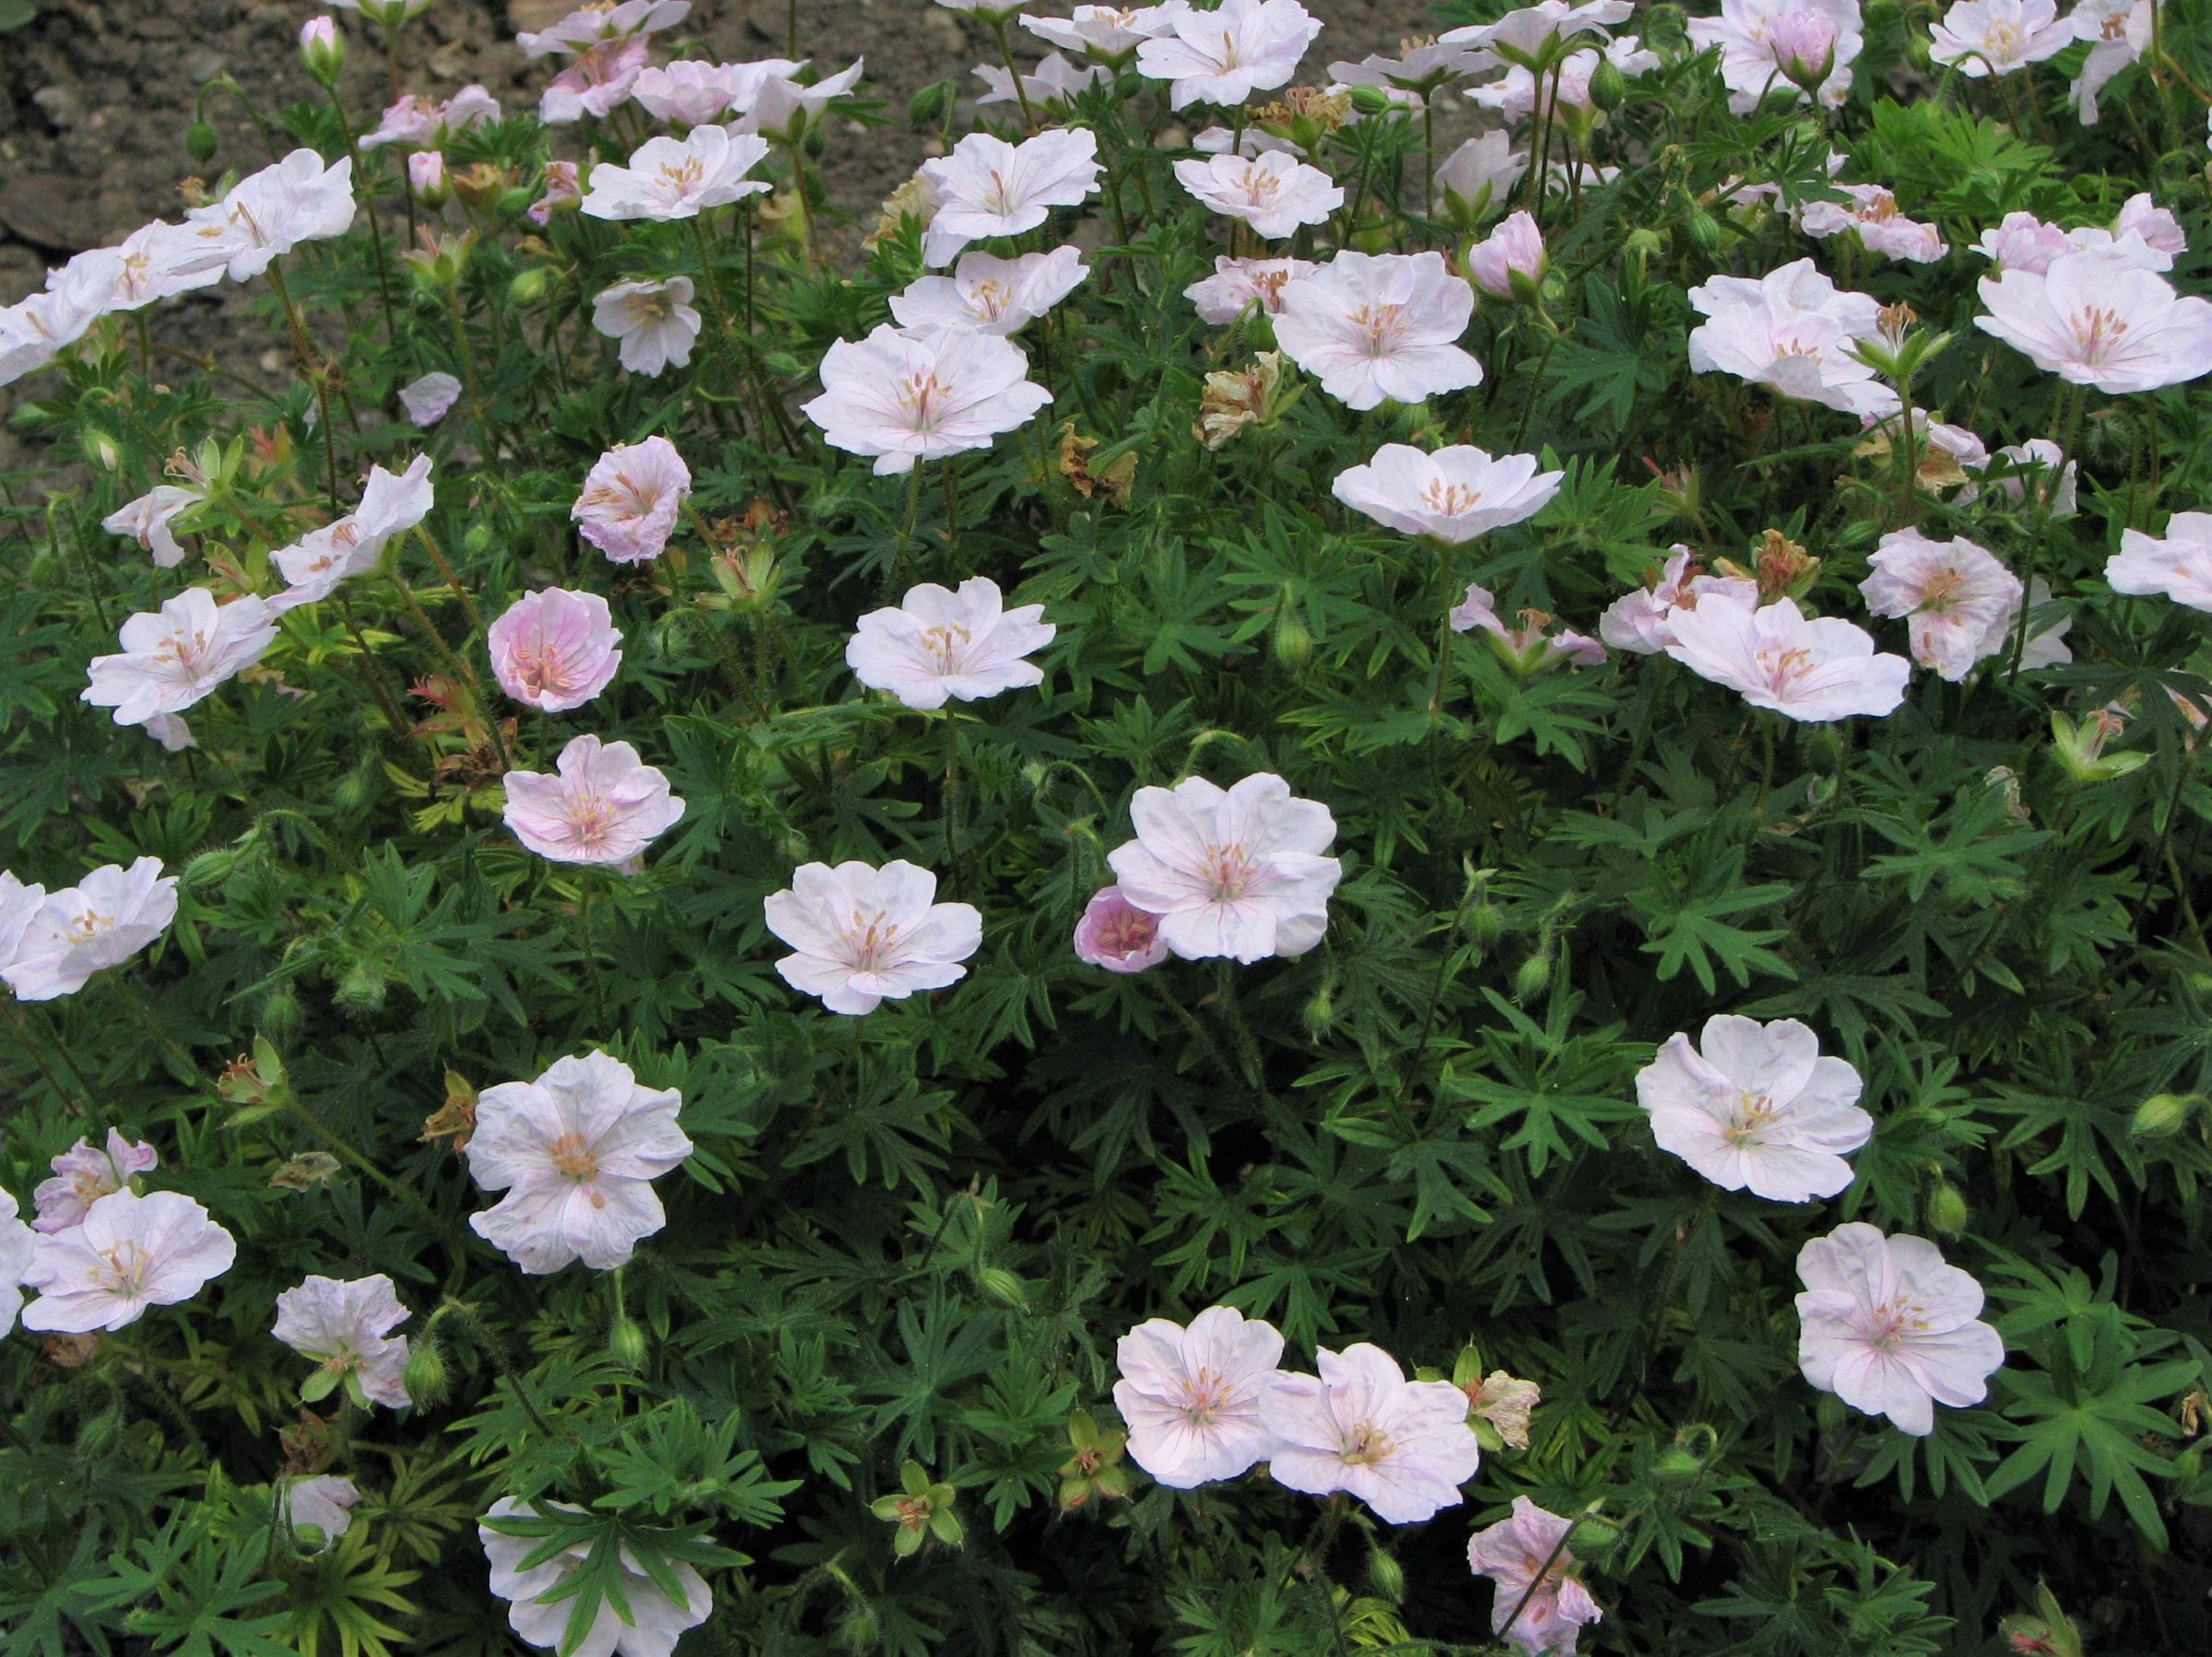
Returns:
(1258, 883)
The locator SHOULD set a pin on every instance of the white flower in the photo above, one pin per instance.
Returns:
(1529, 649)
(1872, 213)
(271, 212)
(2094, 319)
(936, 644)
(345, 1326)
(1198, 1401)
(1995, 37)
(1054, 80)
(130, 1252)
(2023, 241)
(155, 262)
(1107, 33)
(1380, 326)
(1958, 595)
(2120, 31)
(1224, 55)
(430, 398)
(677, 178)
(604, 805)
(576, 1151)
(391, 505)
(2046, 645)
(692, 94)
(425, 121)
(991, 295)
(1419, 66)
(18, 1247)
(1272, 193)
(1811, 669)
(1747, 63)
(172, 657)
(1238, 283)
(1529, 32)
(630, 498)
(1757, 1107)
(1482, 171)
(1638, 622)
(20, 906)
(1891, 1330)
(147, 521)
(325, 1501)
(598, 23)
(1402, 1447)
(988, 187)
(84, 1173)
(102, 921)
(781, 109)
(655, 1624)
(862, 936)
(1805, 354)
(598, 83)
(1522, 93)
(902, 397)
(1452, 495)
(2178, 566)
(655, 321)
(1238, 872)
(1791, 289)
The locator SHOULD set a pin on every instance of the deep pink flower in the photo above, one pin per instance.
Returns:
(630, 500)
(555, 649)
(1538, 1604)
(1114, 934)
(606, 805)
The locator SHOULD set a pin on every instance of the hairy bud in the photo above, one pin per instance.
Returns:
(425, 1376)
(626, 1342)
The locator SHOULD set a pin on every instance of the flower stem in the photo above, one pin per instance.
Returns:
(30, 1047)
(1006, 53)
(369, 672)
(310, 366)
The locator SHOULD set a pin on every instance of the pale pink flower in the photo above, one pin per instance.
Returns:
(2022, 242)
(2046, 645)
(605, 806)
(782, 108)
(2177, 565)
(991, 295)
(1239, 283)
(1757, 1107)
(1106, 34)
(1808, 356)
(102, 921)
(1995, 37)
(1224, 55)
(2158, 227)
(325, 1501)
(862, 936)
(1056, 78)
(426, 176)
(155, 262)
(1272, 193)
(20, 906)
(391, 505)
(271, 212)
(1451, 496)
(345, 1326)
(937, 644)
(1198, 1401)
(1954, 592)
(691, 94)
(147, 521)
(426, 122)
(1530, 648)
(596, 84)
(84, 1173)
(129, 1252)
(2144, 236)
(1238, 872)
(18, 1247)
(1638, 622)
(1742, 31)
(169, 731)
(656, 1622)
(1891, 1330)
(1797, 288)
(174, 656)
(576, 1151)
(1538, 1603)
(319, 32)
(598, 24)
(2093, 320)
(1481, 170)
(1420, 66)
(1804, 44)
(654, 321)
(2119, 31)
(1523, 94)
(35, 330)
(429, 399)
(669, 178)
(1115, 935)
(1402, 1447)
(1872, 212)
(1815, 669)
(555, 649)
(1510, 263)
(1529, 32)
(1507, 1402)
(563, 190)
(630, 500)
(988, 187)
(903, 396)
(1373, 326)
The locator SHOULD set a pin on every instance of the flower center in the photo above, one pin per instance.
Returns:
(873, 945)
(572, 1157)
(544, 669)
(1451, 499)
(2001, 42)
(1784, 667)
(1755, 1113)
(2097, 332)
(944, 644)
(990, 300)
(1260, 186)
(128, 1267)
(1204, 1396)
(84, 928)
(1385, 326)
(1893, 1324)
(683, 177)
(922, 397)
(1228, 49)
(1129, 933)
(1369, 1446)
(1231, 871)
(592, 818)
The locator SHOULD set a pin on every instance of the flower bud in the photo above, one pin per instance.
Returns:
(1371, 101)
(426, 173)
(1678, 1466)
(207, 868)
(928, 107)
(1947, 1209)
(1510, 263)
(101, 449)
(1804, 45)
(529, 286)
(425, 1376)
(281, 1018)
(1485, 923)
(1608, 86)
(361, 990)
(1003, 1287)
(1293, 640)
(201, 140)
(1319, 1015)
(1386, 1576)
(1534, 977)
(2164, 1113)
(626, 1343)
(321, 50)
(1705, 233)
(1592, 1537)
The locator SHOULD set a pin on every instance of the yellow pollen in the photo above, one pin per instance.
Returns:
(1231, 871)
(128, 1266)
(592, 818)
(923, 398)
(1451, 499)
(573, 1159)
(1205, 1395)
(945, 644)
(1370, 1445)
(84, 928)
(685, 175)
(1383, 324)
(1755, 1113)
(2097, 332)
(873, 942)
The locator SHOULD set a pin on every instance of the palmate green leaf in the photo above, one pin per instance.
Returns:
(1687, 929)
(2101, 1434)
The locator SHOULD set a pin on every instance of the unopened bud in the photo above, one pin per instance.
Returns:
(529, 286)
(425, 1376)
(1947, 1209)
(1293, 640)
(1371, 101)
(1486, 924)
(101, 449)
(1608, 86)
(479, 539)
(281, 1018)
(1534, 977)
(201, 141)
(928, 107)
(1678, 1466)
(1386, 1576)
(321, 50)
(2164, 1113)
(1319, 1015)
(426, 174)
(361, 990)
(1705, 233)
(207, 868)
(1003, 1287)
(626, 1343)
